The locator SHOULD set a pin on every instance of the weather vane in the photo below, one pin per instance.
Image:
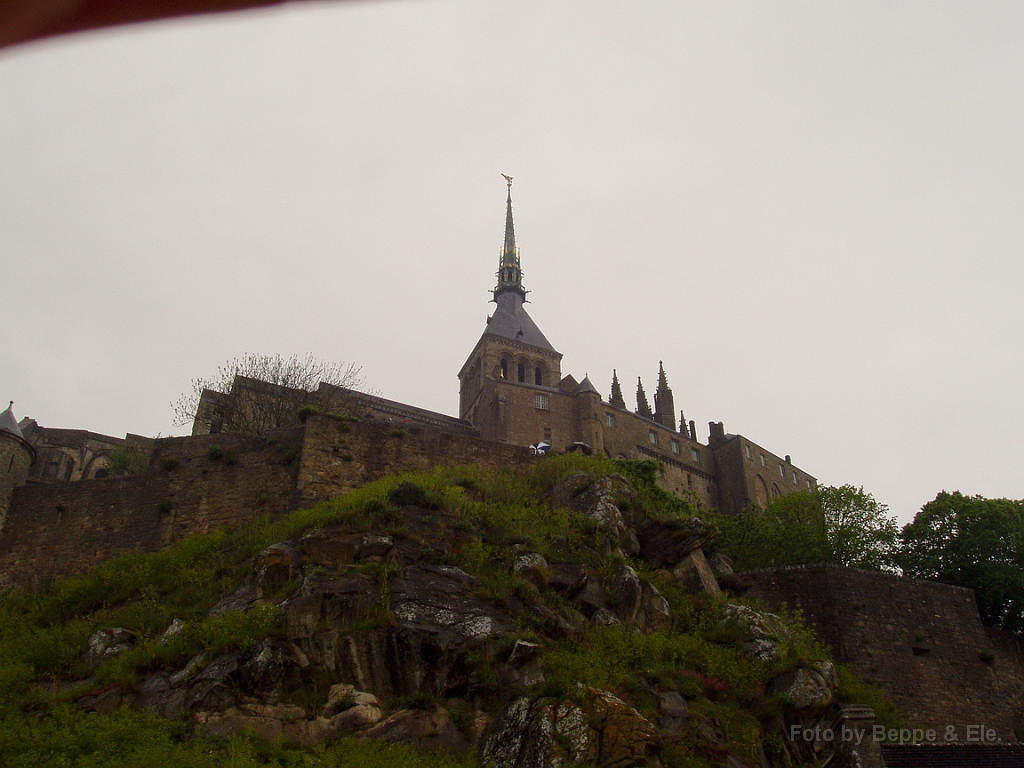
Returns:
(509, 180)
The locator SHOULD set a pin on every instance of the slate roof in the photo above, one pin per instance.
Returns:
(510, 321)
(586, 386)
(8, 423)
(953, 755)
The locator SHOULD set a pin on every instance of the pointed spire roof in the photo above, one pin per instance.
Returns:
(510, 273)
(643, 408)
(616, 397)
(662, 381)
(510, 320)
(8, 423)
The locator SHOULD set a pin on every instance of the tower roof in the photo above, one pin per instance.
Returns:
(8, 423)
(511, 321)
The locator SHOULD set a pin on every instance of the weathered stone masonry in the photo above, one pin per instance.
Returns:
(61, 529)
(922, 641)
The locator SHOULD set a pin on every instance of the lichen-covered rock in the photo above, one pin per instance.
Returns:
(600, 501)
(532, 567)
(764, 633)
(601, 730)
(441, 596)
(105, 643)
(807, 688)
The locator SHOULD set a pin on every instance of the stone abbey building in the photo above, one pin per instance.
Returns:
(512, 391)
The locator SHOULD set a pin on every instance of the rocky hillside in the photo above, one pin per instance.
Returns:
(565, 615)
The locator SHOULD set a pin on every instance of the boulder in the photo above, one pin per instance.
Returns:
(328, 546)
(666, 544)
(764, 635)
(600, 730)
(279, 722)
(673, 710)
(567, 579)
(276, 567)
(600, 502)
(106, 643)
(807, 688)
(429, 731)
(440, 598)
(694, 573)
(532, 567)
(242, 599)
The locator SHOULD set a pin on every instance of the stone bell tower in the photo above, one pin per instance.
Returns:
(512, 356)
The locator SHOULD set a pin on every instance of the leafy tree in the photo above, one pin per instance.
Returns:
(841, 525)
(972, 542)
(860, 532)
(258, 393)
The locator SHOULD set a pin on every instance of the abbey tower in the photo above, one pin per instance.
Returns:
(512, 391)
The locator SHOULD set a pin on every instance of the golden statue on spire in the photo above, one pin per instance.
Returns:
(509, 180)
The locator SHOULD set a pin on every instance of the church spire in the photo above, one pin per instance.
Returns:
(510, 274)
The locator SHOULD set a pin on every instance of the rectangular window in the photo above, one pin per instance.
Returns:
(695, 455)
(547, 435)
(764, 461)
(610, 420)
(782, 471)
(541, 402)
(750, 454)
(809, 485)
(652, 436)
(675, 447)
(796, 480)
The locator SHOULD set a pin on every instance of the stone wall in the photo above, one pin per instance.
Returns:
(922, 641)
(60, 529)
(339, 456)
(200, 483)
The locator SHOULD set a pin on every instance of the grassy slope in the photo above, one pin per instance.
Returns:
(43, 636)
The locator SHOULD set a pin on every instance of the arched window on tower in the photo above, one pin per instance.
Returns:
(521, 373)
(504, 368)
(538, 376)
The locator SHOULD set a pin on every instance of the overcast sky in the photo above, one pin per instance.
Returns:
(813, 213)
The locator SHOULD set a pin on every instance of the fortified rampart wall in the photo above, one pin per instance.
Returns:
(200, 483)
(922, 641)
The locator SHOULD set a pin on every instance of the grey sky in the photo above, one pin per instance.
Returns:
(813, 213)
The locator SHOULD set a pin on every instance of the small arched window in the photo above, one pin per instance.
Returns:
(521, 373)
(538, 376)
(504, 369)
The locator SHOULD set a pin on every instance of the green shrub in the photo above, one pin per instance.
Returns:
(214, 453)
(170, 462)
(128, 459)
(306, 411)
